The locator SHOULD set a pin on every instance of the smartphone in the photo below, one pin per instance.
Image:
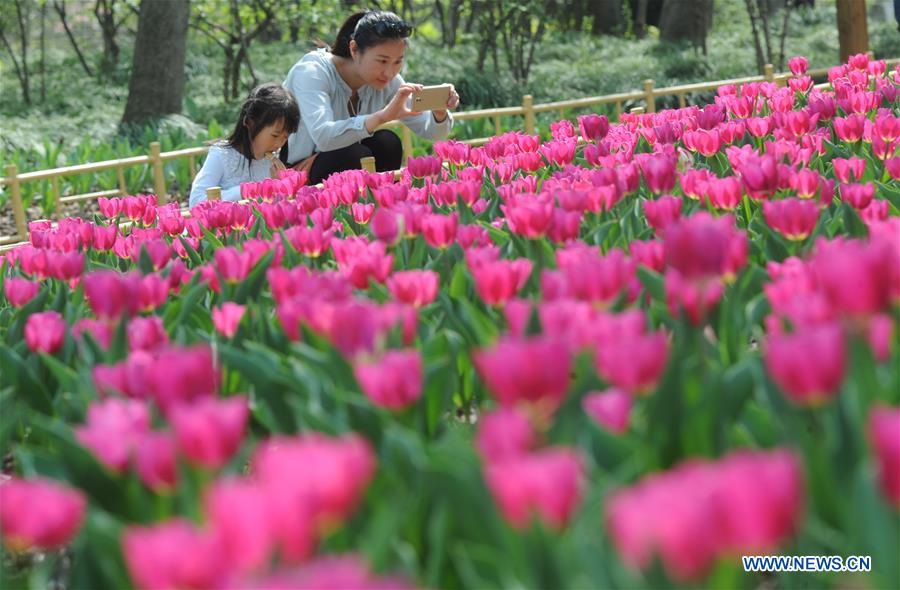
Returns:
(431, 98)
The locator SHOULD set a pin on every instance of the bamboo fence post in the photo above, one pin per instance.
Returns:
(649, 97)
(192, 166)
(496, 124)
(618, 109)
(637, 111)
(367, 163)
(15, 193)
(528, 107)
(406, 141)
(769, 72)
(57, 197)
(159, 176)
(120, 176)
(682, 102)
(562, 114)
(214, 193)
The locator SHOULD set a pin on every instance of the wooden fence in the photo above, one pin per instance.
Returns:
(156, 159)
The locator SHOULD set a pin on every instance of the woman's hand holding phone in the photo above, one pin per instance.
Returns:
(441, 114)
(394, 110)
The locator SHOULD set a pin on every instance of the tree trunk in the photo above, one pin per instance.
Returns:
(156, 87)
(853, 31)
(60, 8)
(106, 17)
(43, 63)
(640, 18)
(607, 16)
(685, 20)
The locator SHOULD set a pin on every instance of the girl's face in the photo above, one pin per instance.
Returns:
(269, 139)
(378, 65)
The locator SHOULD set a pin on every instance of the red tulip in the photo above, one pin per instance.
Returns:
(39, 514)
(808, 365)
(394, 381)
(45, 332)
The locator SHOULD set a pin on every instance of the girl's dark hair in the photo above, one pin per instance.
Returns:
(266, 105)
(369, 28)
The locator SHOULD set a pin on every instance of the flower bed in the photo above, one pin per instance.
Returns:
(621, 361)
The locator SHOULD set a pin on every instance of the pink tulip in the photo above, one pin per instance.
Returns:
(850, 128)
(155, 461)
(892, 165)
(808, 365)
(239, 516)
(798, 65)
(724, 194)
(634, 363)
(659, 173)
(39, 514)
(599, 280)
(174, 554)
(610, 409)
(385, 225)
(662, 212)
(182, 375)
(232, 264)
(858, 195)
(65, 265)
(113, 430)
(111, 294)
(20, 291)
(499, 281)
(331, 571)
(649, 254)
(847, 169)
(394, 381)
(706, 142)
(535, 371)
(593, 127)
(100, 331)
(504, 433)
(858, 279)
(695, 297)
(439, 230)
(147, 333)
(209, 431)
(424, 166)
(104, 237)
(745, 503)
(335, 474)
(546, 484)
(45, 332)
(884, 436)
(806, 183)
(795, 219)
(362, 212)
(701, 246)
(414, 287)
(528, 216)
(559, 152)
(227, 317)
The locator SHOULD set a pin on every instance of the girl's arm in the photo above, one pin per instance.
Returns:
(313, 93)
(211, 174)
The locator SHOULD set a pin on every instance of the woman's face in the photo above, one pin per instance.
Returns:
(378, 65)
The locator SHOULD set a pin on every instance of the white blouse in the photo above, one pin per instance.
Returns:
(325, 120)
(227, 168)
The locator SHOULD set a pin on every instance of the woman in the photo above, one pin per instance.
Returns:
(346, 93)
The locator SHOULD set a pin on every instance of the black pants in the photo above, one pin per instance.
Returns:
(384, 146)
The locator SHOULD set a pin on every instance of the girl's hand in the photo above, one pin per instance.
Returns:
(276, 167)
(441, 115)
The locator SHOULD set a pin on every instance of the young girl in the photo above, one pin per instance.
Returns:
(267, 118)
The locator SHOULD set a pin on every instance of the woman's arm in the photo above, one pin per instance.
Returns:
(313, 92)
